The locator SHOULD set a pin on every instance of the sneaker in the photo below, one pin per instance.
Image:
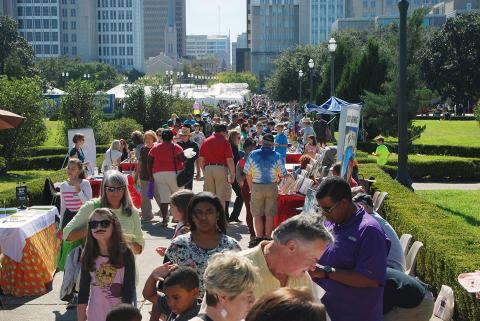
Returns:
(72, 304)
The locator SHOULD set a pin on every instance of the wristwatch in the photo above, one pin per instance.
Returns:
(328, 269)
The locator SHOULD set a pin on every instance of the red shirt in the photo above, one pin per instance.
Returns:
(163, 157)
(216, 149)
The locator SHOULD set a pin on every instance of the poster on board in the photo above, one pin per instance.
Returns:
(348, 136)
(89, 148)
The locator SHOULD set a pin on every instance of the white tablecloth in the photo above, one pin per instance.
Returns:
(13, 234)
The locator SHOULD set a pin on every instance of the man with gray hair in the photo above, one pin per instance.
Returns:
(264, 169)
(285, 261)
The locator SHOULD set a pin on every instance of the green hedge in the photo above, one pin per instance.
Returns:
(467, 169)
(461, 151)
(448, 250)
(38, 162)
(35, 190)
(60, 150)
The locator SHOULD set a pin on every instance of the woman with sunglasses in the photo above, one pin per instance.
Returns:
(108, 268)
(205, 215)
(114, 195)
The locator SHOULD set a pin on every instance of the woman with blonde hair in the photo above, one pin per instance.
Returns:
(113, 156)
(229, 281)
(142, 172)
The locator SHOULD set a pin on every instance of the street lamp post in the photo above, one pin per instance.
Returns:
(65, 78)
(300, 75)
(402, 172)
(311, 64)
(332, 46)
(171, 86)
(86, 76)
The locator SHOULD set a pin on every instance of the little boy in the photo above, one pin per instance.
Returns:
(281, 141)
(124, 312)
(180, 292)
(381, 152)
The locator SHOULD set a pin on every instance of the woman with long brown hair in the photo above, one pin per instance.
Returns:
(108, 268)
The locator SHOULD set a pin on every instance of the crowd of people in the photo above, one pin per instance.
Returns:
(343, 262)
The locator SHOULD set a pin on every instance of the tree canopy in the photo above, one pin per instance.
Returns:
(240, 77)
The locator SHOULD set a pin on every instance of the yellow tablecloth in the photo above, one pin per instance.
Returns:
(36, 269)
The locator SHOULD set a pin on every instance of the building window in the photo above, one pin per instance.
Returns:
(74, 51)
(38, 36)
(28, 11)
(38, 23)
(46, 49)
(73, 12)
(38, 49)
(65, 25)
(73, 25)
(55, 37)
(65, 37)
(45, 11)
(54, 24)
(54, 49)
(46, 23)
(128, 3)
(20, 11)
(46, 36)
(38, 11)
(64, 12)
(74, 37)
(54, 13)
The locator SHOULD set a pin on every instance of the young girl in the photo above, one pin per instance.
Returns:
(74, 192)
(311, 147)
(108, 268)
(178, 207)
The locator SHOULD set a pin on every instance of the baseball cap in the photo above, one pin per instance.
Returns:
(268, 138)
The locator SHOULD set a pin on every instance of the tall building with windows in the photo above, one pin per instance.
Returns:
(156, 16)
(200, 46)
(316, 27)
(274, 28)
(120, 33)
(109, 31)
(39, 24)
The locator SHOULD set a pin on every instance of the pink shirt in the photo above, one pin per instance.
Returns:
(105, 289)
(311, 150)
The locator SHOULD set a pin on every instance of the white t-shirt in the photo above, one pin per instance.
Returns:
(112, 157)
(395, 258)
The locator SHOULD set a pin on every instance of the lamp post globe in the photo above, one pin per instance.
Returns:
(332, 47)
(311, 64)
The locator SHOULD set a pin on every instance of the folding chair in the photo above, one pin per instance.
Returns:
(405, 240)
(375, 196)
(411, 258)
(378, 205)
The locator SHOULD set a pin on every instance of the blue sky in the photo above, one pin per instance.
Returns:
(203, 17)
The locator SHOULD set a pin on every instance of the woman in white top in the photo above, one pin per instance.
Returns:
(113, 156)
(74, 192)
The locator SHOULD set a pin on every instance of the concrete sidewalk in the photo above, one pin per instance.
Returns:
(446, 186)
(49, 306)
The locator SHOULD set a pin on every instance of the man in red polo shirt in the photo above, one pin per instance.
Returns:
(216, 160)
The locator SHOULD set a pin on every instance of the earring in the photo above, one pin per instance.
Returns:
(224, 313)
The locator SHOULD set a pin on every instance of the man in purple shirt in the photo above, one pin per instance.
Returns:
(354, 267)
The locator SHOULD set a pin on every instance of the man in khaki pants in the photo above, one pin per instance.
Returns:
(216, 161)
(264, 169)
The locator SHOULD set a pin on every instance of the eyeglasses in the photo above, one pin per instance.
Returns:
(113, 189)
(328, 210)
(95, 224)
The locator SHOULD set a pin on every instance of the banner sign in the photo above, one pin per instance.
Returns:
(348, 136)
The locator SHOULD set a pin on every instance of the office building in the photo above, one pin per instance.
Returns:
(156, 17)
(373, 23)
(39, 24)
(374, 8)
(452, 8)
(234, 56)
(274, 29)
(317, 19)
(109, 31)
(201, 46)
(239, 52)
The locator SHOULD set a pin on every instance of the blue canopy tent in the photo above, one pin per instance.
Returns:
(330, 107)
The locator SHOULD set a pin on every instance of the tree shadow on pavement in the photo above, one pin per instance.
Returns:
(157, 230)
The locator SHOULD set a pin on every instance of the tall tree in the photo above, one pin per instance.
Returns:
(365, 72)
(23, 97)
(16, 55)
(451, 59)
(381, 109)
(136, 104)
(283, 84)
(81, 107)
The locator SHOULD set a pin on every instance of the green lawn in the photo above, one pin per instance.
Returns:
(10, 180)
(448, 132)
(418, 158)
(54, 131)
(461, 205)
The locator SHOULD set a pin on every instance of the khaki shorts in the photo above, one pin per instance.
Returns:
(264, 199)
(166, 183)
(216, 181)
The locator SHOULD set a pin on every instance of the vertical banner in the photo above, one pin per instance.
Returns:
(348, 136)
(89, 148)
(196, 108)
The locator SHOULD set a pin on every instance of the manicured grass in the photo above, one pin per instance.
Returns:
(10, 180)
(392, 159)
(462, 206)
(448, 132)
(54, 131)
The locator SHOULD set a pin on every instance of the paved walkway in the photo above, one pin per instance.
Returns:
(443, 186)
(49, 307)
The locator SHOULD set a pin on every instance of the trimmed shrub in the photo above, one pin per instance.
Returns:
(34, 188)
(449, 248)
(57, 151)
(461, 151)
(38, 162)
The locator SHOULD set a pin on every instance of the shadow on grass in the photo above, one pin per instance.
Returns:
(470, 220)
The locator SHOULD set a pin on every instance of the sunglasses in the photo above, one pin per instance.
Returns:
(113, 189)
(95, 224)
(328, 210)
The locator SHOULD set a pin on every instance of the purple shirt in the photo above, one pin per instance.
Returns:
(361, 246)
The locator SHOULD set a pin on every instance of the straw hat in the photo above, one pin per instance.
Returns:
(184, 131)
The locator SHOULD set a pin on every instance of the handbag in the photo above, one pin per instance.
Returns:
(184, 177)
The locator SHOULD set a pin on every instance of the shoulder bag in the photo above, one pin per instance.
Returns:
(183, 178)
